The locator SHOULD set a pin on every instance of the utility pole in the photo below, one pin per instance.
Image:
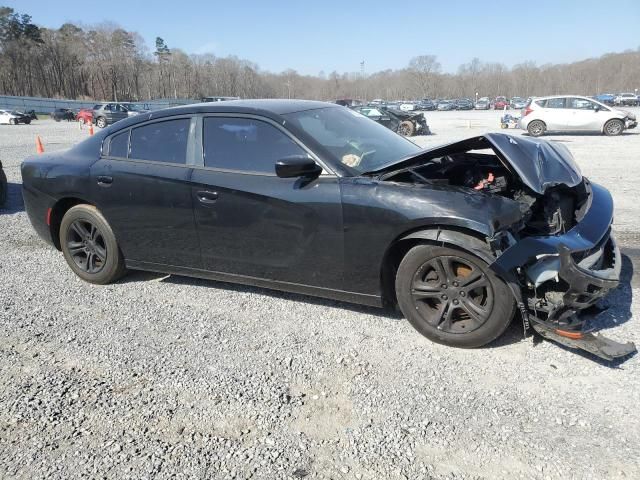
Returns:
(361, 82)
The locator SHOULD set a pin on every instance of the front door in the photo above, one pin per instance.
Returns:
(142, 187)
(251, 222)
(585, 115)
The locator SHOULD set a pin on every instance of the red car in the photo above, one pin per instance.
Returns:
(85, 115)
(500, 102)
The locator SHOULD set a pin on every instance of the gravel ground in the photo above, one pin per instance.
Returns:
(175, 377)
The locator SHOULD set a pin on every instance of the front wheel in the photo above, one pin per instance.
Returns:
(101, 122)
(613, 127)
(452, 297)
(89, 245)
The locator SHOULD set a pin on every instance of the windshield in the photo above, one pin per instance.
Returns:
(351, 138)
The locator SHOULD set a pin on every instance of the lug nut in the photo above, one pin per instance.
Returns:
(462, 294)
(455, 284)
(444, 297)
(444, 285)
(455, 302)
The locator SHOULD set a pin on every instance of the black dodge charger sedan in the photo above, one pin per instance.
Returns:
(314, 198)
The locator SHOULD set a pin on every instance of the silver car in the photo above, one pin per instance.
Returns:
(573, 113)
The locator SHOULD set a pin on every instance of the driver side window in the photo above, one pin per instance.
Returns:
(581, 104)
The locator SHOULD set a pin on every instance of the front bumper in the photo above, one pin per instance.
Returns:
(556, 278)
(629, 124)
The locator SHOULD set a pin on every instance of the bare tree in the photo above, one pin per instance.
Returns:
(107, 62)
(424, 69)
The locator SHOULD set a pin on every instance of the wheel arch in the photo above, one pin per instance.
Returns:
(58, 211)
(469, 240)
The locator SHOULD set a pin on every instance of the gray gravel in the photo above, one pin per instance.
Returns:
(158, 377)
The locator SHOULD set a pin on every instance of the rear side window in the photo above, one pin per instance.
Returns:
(555, 103)
(245, 144)
(161, 141)
(119, 145)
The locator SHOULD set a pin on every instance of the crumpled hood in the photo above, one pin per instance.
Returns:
(539, 164)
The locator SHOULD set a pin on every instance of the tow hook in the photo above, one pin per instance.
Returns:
(598, 345)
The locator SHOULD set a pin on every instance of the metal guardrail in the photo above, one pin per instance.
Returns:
(48, 105)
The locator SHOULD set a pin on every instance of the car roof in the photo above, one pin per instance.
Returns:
(271, 108)
(562, 96)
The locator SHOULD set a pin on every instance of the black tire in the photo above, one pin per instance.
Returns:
(27, 121)
(452, 297)
(101, 122)
(613, 127)
(90, 247)
(536, 128)
(3, 188)
(406, 128)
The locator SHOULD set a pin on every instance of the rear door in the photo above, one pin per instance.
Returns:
(251, 222)
(555, 115)
(141, 185)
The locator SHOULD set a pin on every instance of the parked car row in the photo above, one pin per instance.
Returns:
(442, 104)
(101, 114)
(15, 117)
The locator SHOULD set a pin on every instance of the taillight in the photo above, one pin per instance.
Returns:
(527, 111)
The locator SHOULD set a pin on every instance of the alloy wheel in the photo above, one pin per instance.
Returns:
(86, 246)
(614, 128)
(452, 294)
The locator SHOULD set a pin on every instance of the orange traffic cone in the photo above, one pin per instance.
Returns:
(39, 147)
(91, 129)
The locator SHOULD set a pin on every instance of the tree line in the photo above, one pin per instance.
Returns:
(106, 62)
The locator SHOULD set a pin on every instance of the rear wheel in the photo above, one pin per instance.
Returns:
(101, 122)
(613, 127)
(89, 245)
(406, 128)
(12, 121)
(536, 128)
(452, 297)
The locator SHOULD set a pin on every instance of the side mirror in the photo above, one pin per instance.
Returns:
(297, 166)
(596, 108)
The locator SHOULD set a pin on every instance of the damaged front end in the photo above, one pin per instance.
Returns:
(557, 279)
(560, 258)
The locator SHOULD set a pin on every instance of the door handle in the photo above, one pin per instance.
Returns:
(105, 180)
(207, 197)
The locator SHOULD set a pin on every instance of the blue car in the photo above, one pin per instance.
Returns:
(606, 98)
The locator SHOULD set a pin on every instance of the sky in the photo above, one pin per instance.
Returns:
(323, 36)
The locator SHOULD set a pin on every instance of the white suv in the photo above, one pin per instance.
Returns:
(572, 113)
(628, 99)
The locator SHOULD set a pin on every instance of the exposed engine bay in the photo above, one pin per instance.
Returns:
(560, 257)
(555, 212)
